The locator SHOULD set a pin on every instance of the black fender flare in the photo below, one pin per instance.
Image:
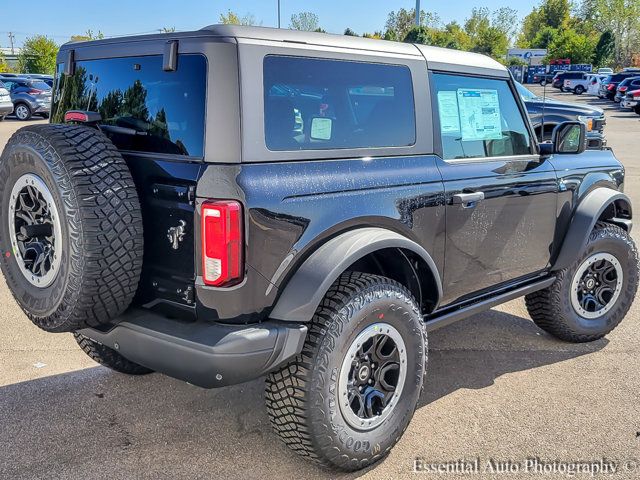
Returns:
(304, 291)
(587, 213)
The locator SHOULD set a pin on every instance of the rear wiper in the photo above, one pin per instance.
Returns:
(122, 130)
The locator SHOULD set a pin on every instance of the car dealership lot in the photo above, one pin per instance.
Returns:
(498, 389)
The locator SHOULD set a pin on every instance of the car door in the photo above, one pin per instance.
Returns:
(501, 196)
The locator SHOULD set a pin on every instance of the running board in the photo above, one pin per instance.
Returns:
(448, 317)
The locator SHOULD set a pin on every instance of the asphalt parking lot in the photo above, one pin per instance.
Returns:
(498, 389)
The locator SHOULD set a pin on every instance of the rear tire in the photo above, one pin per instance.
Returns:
(315, 405)
(575, 307)
(2, 119)
(579, 90)
(70, 226)
(108, 357)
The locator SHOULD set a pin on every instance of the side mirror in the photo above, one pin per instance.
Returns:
(569, 137)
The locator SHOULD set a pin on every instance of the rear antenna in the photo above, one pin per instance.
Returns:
(544, 105)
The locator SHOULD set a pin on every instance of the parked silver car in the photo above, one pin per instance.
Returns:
(29, 96)
(6, 105)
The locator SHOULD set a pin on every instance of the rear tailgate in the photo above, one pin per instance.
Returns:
(156, 119)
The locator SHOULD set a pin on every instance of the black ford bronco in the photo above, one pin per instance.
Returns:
(233, 202)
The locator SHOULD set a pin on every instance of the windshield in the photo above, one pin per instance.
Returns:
(524, 93)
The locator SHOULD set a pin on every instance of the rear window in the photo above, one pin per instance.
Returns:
(143, 108)
(317, 104)
(40, 85)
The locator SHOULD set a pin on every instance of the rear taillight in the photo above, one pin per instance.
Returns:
(34, 91)
(222, 243)
(622, 89)
(611, 86)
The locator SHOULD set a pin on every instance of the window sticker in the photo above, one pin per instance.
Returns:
(321, 128)
(449, 114)
(479, 114)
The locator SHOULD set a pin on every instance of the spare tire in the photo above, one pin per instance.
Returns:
(70, 226)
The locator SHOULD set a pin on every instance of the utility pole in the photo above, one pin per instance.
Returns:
(278, 13)
(417, 13)
(12, 37)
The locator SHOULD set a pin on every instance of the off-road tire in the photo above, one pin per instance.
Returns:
(108, 357)
(301, 397)
(551, 308)
(101, 242)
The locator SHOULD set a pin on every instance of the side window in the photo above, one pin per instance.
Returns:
(479, 117)
(319, 104)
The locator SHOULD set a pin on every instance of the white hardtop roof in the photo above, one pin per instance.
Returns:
(437, 58)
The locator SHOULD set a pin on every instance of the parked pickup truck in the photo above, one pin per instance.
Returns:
(547, 114)
(243, 201)
(581, 84)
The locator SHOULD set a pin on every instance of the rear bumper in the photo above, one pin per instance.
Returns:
(629, 103)
(205, 354)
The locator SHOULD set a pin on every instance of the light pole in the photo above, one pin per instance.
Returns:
(278, 13)
(417, 13)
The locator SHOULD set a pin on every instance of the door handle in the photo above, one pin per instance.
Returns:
(468, 200)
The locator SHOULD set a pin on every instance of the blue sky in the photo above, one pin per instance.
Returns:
(61, 18)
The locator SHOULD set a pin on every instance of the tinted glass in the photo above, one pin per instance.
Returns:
(315, 104)
(143, 108)
(39, 84)
(479, 117)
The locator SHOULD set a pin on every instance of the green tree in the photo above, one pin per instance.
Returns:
(488, 35)
(401, 22)
(556, 13)
(622, 19)
(305, 21)
(38, 55)
(505, 19)
(134, 102)
(570, 44)
(232, 18)
(605, 49)
(88, 35)
(531, 25)
(350, 33)
(111, 105)
(4, 66)
(545, 37)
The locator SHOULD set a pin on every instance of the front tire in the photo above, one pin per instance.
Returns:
(591, 297)
(346, 400)
(579, 90)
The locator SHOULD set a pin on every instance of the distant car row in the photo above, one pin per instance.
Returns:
(622, 87)
(25, 95)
